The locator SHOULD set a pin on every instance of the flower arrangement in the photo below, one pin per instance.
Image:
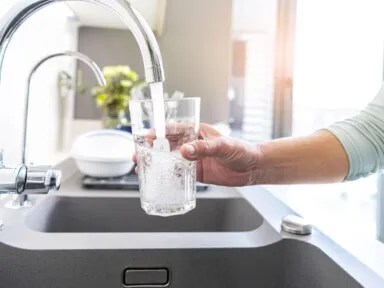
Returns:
(114, 98)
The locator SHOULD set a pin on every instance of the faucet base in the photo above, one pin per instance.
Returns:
(18, 202)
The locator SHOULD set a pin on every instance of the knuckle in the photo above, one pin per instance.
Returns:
(204, 147)
(227, 143)
(228, 147)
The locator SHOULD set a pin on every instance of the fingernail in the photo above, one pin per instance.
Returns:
(190, 149)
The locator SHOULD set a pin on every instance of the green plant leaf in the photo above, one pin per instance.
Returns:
(115, 96)
(126, 83)
(101, 99)
(97, 90)
(109, 71)
(122, 69)
(133, 76)
(110, 98)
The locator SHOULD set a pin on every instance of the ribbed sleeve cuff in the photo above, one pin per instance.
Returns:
(357, 148)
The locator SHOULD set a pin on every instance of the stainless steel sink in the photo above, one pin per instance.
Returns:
(107, 215)
(102, 239)
(287, 263)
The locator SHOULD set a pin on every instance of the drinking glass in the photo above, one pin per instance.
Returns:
(167, 180)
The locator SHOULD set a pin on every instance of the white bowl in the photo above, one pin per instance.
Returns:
(104, 153)
(104, 169)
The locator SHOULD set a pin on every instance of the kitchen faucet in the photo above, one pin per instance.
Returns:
(94, 67)
(35, 174)
(25, 180)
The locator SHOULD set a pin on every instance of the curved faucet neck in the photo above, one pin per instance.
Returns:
(143, 34)
(79, 56)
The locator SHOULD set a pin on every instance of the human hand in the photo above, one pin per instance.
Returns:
(220, 160)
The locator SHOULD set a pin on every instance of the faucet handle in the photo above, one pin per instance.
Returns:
(53, 180)
(42, 179)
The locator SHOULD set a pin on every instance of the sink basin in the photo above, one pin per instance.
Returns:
(103, 241)
(112, 215)
(285, 264)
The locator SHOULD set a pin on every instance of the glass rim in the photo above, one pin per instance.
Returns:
(165, 100)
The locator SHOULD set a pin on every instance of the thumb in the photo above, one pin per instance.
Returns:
(200, 149)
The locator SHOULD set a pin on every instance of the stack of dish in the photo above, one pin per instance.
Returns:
(104, 153)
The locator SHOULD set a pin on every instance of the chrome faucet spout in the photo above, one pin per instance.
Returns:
(143, 34)
(30, 180)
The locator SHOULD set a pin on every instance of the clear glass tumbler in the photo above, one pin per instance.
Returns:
(167, 181)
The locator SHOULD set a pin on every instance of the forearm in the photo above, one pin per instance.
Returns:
(319, 158)
(345, 151)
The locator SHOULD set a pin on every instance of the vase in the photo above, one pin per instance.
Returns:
(124, 123)
(111, 119)
(125, 128)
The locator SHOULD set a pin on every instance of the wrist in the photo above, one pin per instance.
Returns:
(257, 173)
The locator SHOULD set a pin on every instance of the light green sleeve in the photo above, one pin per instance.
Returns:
(363, 139)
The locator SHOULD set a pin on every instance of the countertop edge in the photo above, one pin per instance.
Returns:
(369, 254)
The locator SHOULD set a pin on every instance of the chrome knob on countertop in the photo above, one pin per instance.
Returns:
(296, 225)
